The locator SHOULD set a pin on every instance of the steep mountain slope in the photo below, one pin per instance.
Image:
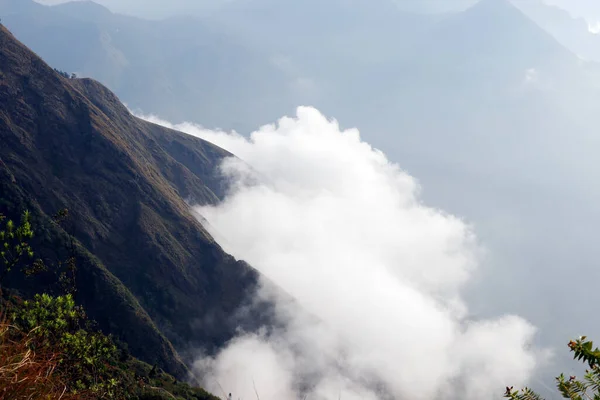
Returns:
(148, 271)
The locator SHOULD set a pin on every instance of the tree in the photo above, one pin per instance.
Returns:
(587, 388)
(14, 246)
(15, 251)
(62, 73)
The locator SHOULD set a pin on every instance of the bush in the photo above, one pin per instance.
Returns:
(62, 73)
(29, 374)
(86, 359)
(587, 388)
(48, 348)
(14, 243)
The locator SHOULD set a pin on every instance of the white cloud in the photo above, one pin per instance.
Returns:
(594, 27)
(531, 75)
(335, 224)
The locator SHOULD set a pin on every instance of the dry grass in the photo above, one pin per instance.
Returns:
(25, 374)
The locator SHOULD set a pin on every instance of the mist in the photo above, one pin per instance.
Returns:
(377, 275)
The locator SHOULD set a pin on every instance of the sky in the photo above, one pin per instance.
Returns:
(589, 9)
(156, 8)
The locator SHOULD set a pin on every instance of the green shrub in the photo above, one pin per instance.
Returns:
(574, 388)
(14, 243)
(88, 359)
(62, 351)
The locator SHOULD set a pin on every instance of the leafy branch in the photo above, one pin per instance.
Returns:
(14, 246)
(586, 388)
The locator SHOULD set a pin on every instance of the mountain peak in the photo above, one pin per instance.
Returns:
(83, 7)
(497, 37)
(493, 3)
(497, 8)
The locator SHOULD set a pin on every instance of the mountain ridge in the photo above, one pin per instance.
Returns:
(148, 271)
(148, 65)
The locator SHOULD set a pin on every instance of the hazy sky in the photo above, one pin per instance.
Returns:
(157, 8)
(581, 8)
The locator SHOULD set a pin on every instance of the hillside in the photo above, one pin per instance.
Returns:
(147, 270)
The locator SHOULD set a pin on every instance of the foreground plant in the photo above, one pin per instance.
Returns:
(574, 388)
(26, 373)
(86, 359)
(14, 243)
(49, 349)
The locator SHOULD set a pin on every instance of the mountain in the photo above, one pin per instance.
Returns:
(143, 9)
(488, 63)
(489, 96)
(179, 68)
(241, 65)
(434, 6)
(342, 32)
(573, 33)
(481, 33)
(148, 272)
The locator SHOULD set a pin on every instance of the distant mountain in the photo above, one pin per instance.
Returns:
(177, 68)
(244, 64)
(317, 34)
(479, 38)
(143, 9)
(148, 272)
(572, 32)
(434, 6)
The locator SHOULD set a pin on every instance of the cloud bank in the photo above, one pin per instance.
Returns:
(377, 274)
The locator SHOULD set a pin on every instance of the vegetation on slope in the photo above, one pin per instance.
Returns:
(148, 272)
(49, 349)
